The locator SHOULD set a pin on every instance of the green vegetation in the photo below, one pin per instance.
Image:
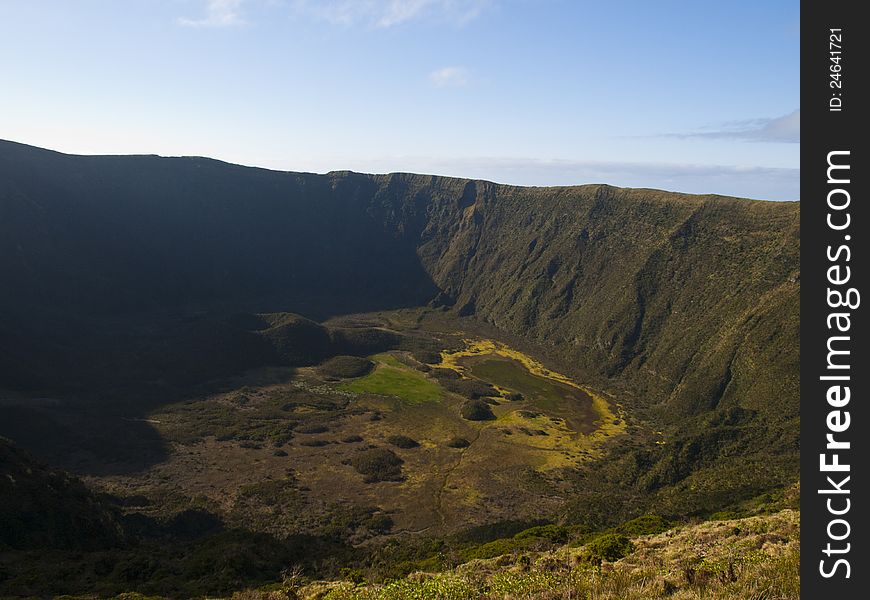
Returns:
(377, 464)
(470, 388)
(444, 374)
(345, 367)
(645, 525)
(403, 441)
(557, 534)
(311, 428)
(392, 378)
(458, 442)
(427, 357)
(609, 546)
(711, 561)
(476, 410)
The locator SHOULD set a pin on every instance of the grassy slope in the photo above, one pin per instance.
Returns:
(750, 558)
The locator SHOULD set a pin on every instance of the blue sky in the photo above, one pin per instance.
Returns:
(692, 96)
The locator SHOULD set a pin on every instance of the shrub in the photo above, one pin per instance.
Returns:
(444, 374)
(346, 367)
(476, 410)
(499, 547)
(470, 388)
(458, 442)
(429, 357)
(610, 547)
(315, 443)
(364, 341)
(377, 464)
(379, 523)
(351, 439)
(312, 428)
(645, 525)
(557, 534)
(514, 396)
(403, 441)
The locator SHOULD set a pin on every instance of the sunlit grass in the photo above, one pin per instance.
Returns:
(392, 378)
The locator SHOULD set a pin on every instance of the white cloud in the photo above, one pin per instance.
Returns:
(219, 13)
(780, 129)
(449, 77)
(391, 13)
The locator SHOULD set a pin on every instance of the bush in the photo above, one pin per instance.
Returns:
(377, 464)
(645, 525)
(364, 341)
(476, 410)
(403, 441)
(351, 439)
(610, 547)
(499, 548)
(312, 428)
(458, 442)
(379, 523)
(470, 388)
(428, 357)
(514, 396)
(557, 534)
(315, 443)
(346, 367)
(444, 374)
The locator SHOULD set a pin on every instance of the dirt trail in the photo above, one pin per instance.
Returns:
(440, 493)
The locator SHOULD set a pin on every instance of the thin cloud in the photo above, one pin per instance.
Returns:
(219, 13)
(391, 13)
(449, 77)
(786, 129)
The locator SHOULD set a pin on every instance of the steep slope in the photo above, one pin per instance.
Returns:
(110, 235)
(685, 295)
(690, 303)
(46, 508)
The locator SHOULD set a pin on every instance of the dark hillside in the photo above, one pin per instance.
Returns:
(46, 508)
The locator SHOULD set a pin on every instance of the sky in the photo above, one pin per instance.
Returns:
(693, 96)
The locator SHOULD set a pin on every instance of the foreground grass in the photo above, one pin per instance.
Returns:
(756, 558)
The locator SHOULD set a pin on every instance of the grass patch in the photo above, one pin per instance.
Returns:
(392, 378)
